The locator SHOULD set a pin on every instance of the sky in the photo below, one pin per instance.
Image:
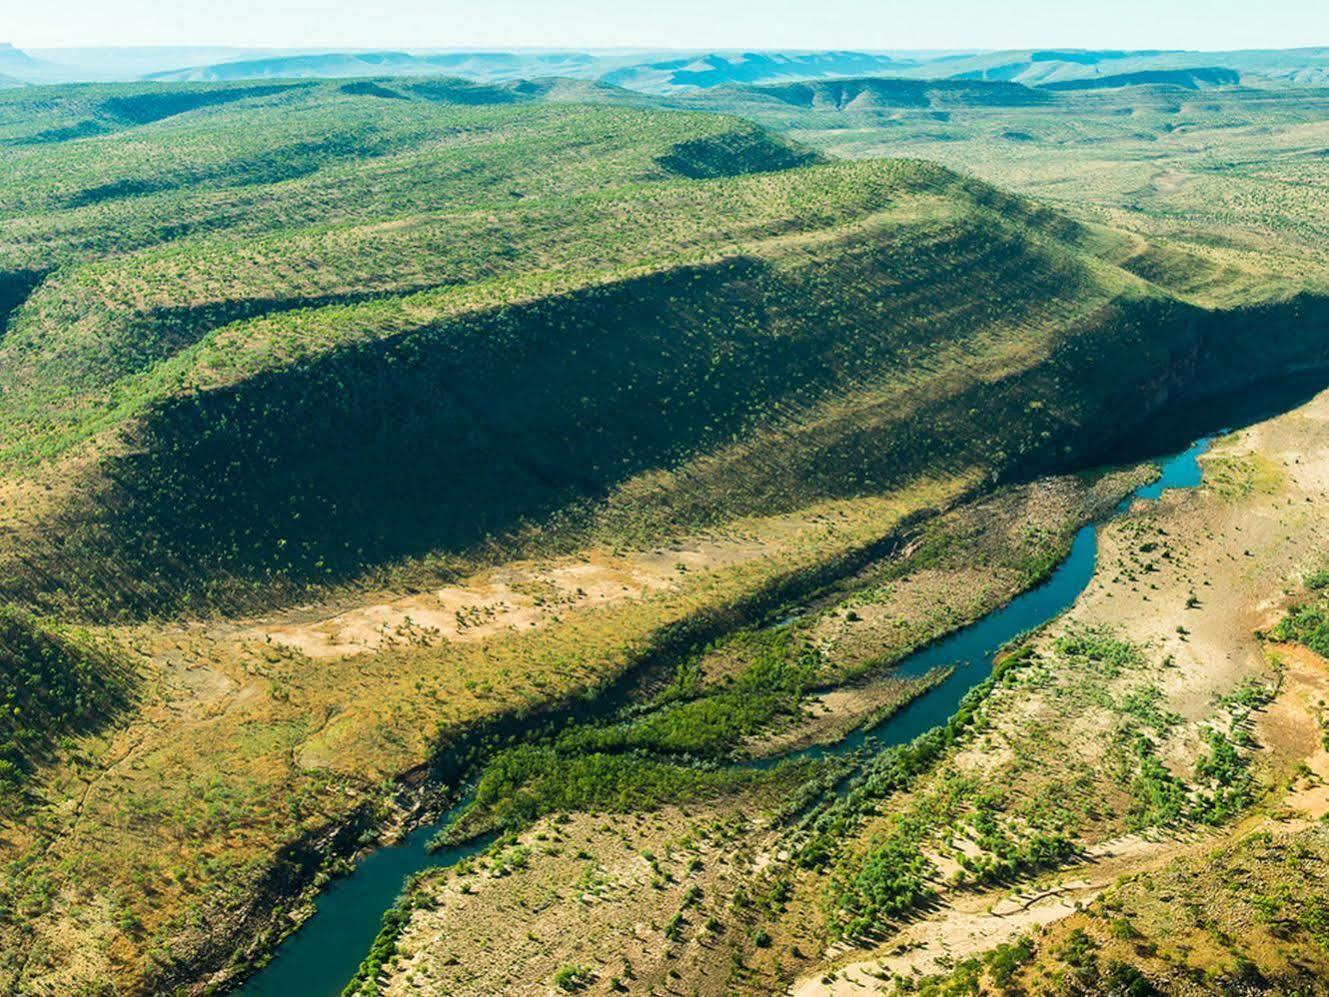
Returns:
(857, 24)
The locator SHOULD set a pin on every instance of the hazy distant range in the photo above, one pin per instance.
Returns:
(649, 71)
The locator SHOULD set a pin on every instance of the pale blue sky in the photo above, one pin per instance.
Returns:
(862, 24)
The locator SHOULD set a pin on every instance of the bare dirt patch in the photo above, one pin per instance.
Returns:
(516, 597)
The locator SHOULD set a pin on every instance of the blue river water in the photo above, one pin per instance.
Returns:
(322, 957)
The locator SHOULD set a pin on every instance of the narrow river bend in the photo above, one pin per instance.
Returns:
(322, 957)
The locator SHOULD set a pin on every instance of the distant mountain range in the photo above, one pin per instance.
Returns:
(18, 67)
(1041, 67)
(677, 72)
(470, 65)
(718, 69)
(873, 94)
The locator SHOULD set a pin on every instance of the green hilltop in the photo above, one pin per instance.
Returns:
(281, 336)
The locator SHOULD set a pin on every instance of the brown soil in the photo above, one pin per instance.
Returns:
(512, 598)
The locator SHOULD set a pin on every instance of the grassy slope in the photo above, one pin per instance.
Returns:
(1224, 186)
(54, 684)
(118, 334)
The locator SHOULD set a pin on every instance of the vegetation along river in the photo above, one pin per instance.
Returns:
(323, 956)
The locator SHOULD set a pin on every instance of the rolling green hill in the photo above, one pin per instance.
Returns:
(438, 317)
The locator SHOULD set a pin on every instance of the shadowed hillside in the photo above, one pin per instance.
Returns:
(505, 365)
(838, 337)
(54, 684)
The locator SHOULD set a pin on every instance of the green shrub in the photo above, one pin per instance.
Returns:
(889, 880)
(573, 977)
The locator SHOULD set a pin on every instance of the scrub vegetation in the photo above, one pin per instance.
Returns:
(371, 447)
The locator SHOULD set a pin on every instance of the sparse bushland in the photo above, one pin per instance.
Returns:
(884, 843)
(1247, 916)
(1037, 766)
(1232, 748)
(869, 886)
(720, 692)
(251, 417)
(294, 375)
(323, 348)
(1235, 219)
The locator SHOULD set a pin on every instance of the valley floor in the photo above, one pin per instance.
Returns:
(260, 737)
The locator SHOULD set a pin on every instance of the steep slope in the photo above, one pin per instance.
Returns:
(749, 253)
(260, 407)
(55, 683)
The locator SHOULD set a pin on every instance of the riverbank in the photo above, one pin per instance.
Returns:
(1192, 581)
(934, 578)
(316, 728)
(1160, 645)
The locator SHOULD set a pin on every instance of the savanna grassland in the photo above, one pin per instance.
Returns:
(365, 440)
